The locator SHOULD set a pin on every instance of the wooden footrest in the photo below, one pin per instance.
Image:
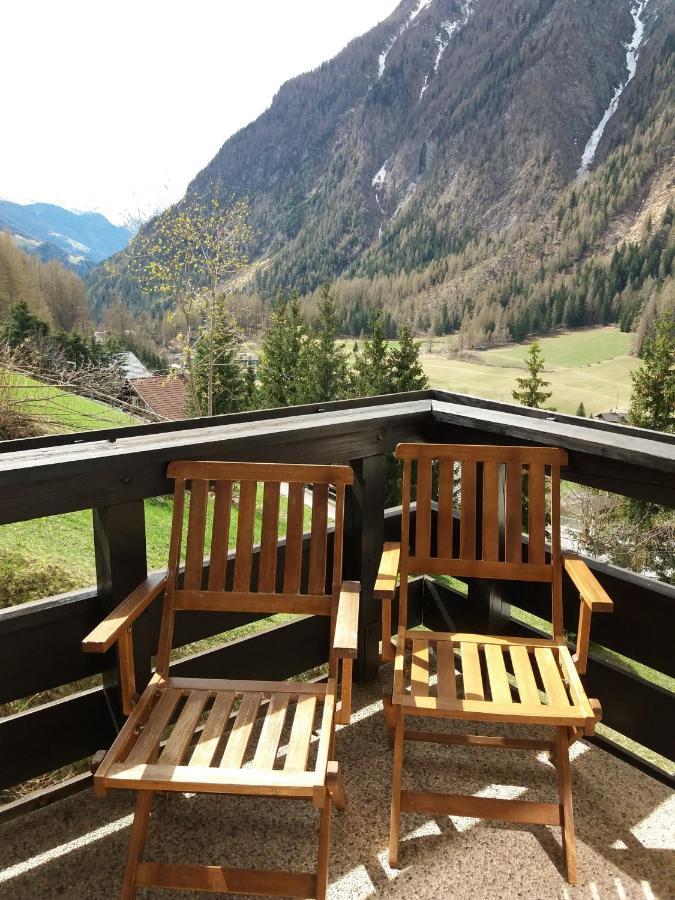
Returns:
(219, 880)
(481, 807)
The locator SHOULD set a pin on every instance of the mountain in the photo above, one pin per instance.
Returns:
(465, 155)
(78, 240)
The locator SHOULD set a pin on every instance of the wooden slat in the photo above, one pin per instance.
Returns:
(525, 681)
(481, 807)
(423, 514)
(577, 691)
(240, 735)
(499, 683)
(248, 471)
(445, 662)
(214, 730)
(301, 735)
(486, 711)
(419, 672)
(244, 601)
(183, 730)
(491, 511)
(194, 554)
(269, 538)
(467, 637)
(472, 678)
(446, 481)
(268, 742)
(245, 523)
(220, 535)
(148, 740)
(264, 687)
(217, 780)
(536, 514)
(294, 525)
(513, 518)
(318, 540)
(467, 535)
(477, 568)
(325, 732)
(550, 675)
(221, 880)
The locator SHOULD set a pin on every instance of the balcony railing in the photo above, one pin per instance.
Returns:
(113, 472)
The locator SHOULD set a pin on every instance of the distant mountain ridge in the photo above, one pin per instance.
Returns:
(78, 240)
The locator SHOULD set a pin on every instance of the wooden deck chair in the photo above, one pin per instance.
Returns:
(198, 735)
(479, 677)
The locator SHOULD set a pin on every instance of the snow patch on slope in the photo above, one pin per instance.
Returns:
(382, 58)
(442, 42)
(378, 183)
(636, 11)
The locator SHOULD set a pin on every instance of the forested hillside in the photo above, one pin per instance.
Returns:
(498, 167)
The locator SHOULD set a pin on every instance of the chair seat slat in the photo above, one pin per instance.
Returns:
(525, 681)
(268, 742)
(181, 735)
(499, 683)
(550, 675)
(445, 661)
(297, 752)
(148, 740)
(235, 749)
(471, 674)
(419, 671)
(214, 731)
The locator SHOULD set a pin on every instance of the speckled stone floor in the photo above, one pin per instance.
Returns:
(625, 824)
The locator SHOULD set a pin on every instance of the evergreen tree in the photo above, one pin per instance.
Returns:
(279, 372)
(653, 393)
(581, 409)
(405, 368)
(531, 390)
(228, 376)
(325, 372)
(371, 366)
(22, 324)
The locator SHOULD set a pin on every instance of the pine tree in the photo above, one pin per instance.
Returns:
(325, 372)
(22, 324)
(279, 372)
(581, 410)
(405, 368)
(652, 402)
(371, 366)
(531, 390)
(228, 380)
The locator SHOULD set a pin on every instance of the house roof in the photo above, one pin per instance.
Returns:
(131, 365)
(164, 396)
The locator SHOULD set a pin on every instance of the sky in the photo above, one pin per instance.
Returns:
(115, 106)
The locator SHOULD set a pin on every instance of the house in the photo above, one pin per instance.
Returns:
(162, 396)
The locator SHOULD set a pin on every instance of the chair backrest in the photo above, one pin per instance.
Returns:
(503, 493)
(271, 500)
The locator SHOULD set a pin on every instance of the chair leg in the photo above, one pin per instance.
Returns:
(324, 849)
(139, 829)
(397, 779)
(389, 715)
(562, 762)
(335, 786)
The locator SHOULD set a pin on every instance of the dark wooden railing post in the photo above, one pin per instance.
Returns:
(121, 564)
(363, 538)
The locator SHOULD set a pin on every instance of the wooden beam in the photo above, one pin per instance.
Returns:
(363, 541)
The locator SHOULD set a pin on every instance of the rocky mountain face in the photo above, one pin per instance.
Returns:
(450, 118)
(468, 164)
(78, 240)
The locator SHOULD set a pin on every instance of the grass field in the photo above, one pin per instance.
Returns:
(52, 555)
(59, 410)
(592, 366)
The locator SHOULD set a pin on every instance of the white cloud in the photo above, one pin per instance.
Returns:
(116, 106)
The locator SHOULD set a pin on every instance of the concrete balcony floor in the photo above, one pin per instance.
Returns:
(625, 824)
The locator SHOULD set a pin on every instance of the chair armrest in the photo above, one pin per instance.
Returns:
(593, 598)
(590, 590)
(385, 588)
(345, 639)
(385, 584)
(109, 630)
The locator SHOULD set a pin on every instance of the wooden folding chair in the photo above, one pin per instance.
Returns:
(474, 676)
(197, 735)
